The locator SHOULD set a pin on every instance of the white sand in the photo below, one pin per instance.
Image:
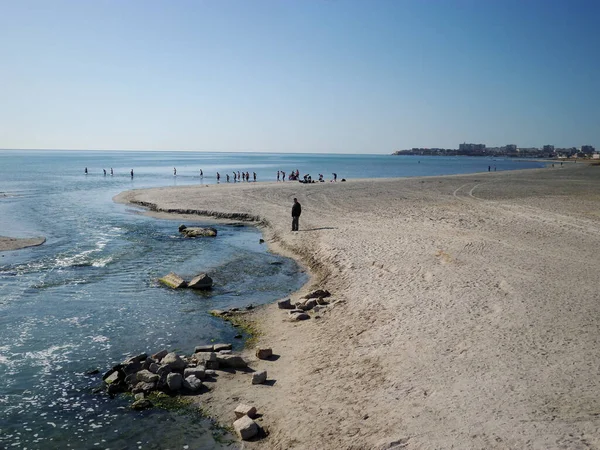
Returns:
(470, 314)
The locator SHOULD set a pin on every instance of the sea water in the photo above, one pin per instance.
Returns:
(89, 297)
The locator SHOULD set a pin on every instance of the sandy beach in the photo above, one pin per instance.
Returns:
(466, 314)
(11, 243)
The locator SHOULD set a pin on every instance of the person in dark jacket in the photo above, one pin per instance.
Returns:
(296, 211)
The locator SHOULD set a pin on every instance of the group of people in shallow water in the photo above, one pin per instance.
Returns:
(104, 170)
(245, 176)
(307, 178)
(237, 177)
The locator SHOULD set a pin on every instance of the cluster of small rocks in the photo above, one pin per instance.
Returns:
(314, 301)
(168, 372)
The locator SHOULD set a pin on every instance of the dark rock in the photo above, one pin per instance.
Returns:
(203, 348)
(138, 358)
(142, 386)
(319, 293)
(143, 403)
(238, 336)
(201, 281)
(250, 307)
(174, 381)
(285, 304)
(182, 228)
(261, 241)
(160, 355)
(192, 383)
(92, 372)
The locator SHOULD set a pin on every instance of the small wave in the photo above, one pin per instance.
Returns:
(102, 261)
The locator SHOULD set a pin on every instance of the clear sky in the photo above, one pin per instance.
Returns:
(298, 75)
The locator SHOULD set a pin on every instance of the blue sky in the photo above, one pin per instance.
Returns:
(298, 76)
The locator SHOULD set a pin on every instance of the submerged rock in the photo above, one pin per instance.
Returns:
(197, 231)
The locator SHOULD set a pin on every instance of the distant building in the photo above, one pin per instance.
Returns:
(511, 148)
(548, 148)
(587, 149)
(475, 149)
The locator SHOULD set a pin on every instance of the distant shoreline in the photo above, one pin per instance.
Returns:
(11, 243)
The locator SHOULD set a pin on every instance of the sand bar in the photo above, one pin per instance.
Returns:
(11, 243)
(470, 311)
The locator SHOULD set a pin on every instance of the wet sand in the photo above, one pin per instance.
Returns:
(10, 243)
(467, 310)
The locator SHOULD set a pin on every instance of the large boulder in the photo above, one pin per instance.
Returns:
(192, 232)
(174, 381)
(285, 304)
(147, 376)
(201, 281)
(245, 427)
(192, 383)
(197, 372)
(173, 281)
(174, 362)
(160, 355)
(233, 361)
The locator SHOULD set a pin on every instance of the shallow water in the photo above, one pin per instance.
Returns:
(88, 297)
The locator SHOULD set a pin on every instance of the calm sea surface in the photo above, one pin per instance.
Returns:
(88, 297)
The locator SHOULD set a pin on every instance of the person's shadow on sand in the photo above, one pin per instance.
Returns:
(322, 228)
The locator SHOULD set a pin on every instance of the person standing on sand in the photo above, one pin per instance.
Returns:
(282, 175)
(277, 173)
(335, 177)
(296, 211)
(227, 175)
(254, 173)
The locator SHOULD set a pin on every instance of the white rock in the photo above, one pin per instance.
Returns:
(245, 427)
(245, 410)
(259, 377)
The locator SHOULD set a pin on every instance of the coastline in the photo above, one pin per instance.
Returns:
(10, 243)
(460, 322)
